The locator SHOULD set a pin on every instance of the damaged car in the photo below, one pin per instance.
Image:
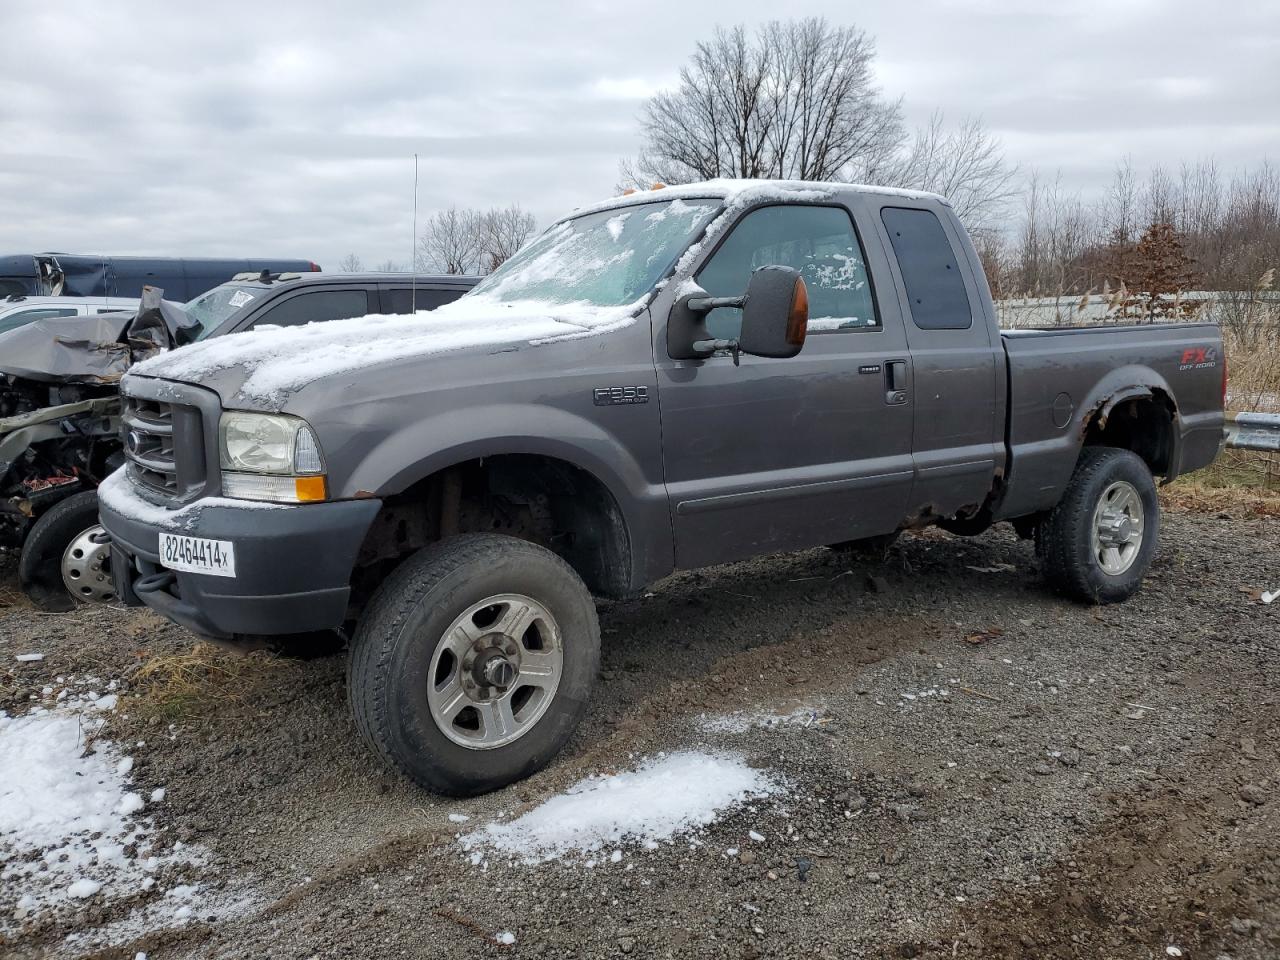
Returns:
(60, 436)
(61, 428)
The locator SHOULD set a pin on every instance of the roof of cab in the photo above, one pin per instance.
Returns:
(742, 192)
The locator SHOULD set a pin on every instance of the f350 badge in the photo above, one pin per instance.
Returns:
(610, 396)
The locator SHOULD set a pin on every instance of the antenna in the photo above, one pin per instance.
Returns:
(413, 251)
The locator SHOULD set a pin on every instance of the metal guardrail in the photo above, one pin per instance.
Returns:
(1253, 431)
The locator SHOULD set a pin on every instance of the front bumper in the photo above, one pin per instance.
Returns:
(293, 567)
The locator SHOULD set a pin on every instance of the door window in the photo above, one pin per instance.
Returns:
(819, 242)
(402, 299)
(930, 272)
(22, 317)
(315, 307)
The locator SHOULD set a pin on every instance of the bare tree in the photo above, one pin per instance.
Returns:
(965, 164)
(796, 100)
(503, 231)
(349, 264)
(390, 266)
(1119, 207)
(450, 241)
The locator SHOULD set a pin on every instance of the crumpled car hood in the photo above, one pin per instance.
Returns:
(98, 348)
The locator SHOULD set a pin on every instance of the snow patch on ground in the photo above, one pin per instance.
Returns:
(71, 824)
(744, 721)
(667, 796)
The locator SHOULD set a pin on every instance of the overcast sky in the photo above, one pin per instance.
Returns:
(269, 129)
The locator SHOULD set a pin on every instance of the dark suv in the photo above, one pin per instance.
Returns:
(292, 299)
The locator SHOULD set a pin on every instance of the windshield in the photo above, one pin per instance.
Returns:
(210, 309)
(606, 259)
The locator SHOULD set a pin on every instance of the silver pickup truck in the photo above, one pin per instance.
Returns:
(666, 380)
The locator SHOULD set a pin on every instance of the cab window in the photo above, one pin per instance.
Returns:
(315, 307)
(820, 242)
(406, 300)
(930, 272)
(23, 317)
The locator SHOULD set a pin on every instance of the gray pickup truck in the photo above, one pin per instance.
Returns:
(671, 379)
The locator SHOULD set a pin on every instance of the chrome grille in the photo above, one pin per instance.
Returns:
(149, 444)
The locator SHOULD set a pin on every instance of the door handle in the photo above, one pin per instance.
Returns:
(895, 382)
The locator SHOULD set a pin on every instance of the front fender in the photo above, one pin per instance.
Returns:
(453, 437)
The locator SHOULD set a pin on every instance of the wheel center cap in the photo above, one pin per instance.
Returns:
(498, 671)
(1118, 528)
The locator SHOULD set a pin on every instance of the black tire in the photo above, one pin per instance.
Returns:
(1064, 540)
(871, 547)
(405, 621)
(40, 566)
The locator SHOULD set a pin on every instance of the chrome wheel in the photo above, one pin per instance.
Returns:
(495, 672)
(86, 567)
(1117, 528)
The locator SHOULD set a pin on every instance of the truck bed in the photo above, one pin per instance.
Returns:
(1062, 379)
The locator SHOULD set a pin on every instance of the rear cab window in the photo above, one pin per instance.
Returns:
(818, 241)
(930, 272)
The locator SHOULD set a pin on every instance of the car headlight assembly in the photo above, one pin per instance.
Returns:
(270, 456)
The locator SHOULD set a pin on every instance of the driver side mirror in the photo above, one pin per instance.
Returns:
(775, 318)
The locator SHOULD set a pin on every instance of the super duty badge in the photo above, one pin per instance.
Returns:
(608, 396)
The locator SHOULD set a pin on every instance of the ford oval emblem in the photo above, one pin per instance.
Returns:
(133, 441)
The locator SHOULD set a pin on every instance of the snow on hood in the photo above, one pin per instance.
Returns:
(279, 361)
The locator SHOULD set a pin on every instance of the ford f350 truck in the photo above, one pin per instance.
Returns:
(671, 379)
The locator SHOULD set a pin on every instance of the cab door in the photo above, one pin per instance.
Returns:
(778, 454)
(957, 359)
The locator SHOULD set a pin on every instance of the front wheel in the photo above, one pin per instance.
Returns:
(1097, 544)
(473, 663)
(67, 556)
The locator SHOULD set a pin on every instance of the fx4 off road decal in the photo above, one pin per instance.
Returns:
(1198, 358)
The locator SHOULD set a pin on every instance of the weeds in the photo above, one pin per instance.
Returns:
(204, 682)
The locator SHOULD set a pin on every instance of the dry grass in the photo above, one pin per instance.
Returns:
(205, 682)
(1224, 491)
(1254, 365)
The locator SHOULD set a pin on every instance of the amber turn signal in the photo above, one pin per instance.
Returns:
(310, 489)
(798, 317)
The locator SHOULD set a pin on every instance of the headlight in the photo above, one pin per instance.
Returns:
(270, 457)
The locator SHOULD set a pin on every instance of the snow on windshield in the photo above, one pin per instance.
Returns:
(606, 259)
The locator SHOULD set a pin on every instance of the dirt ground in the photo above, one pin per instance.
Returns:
(1061, 781)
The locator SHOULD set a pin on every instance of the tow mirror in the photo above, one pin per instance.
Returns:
(775, 318)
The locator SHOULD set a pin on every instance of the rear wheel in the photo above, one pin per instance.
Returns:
(473, 663)
(1097, 544)
(67, 556)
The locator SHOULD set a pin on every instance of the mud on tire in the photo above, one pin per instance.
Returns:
(1090, 546)
(433, 636)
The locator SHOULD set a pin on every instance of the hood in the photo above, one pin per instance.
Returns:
(96, 348)
(261, 369)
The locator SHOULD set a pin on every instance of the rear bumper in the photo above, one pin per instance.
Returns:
(293, 567)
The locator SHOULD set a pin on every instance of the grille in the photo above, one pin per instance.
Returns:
(149, 444)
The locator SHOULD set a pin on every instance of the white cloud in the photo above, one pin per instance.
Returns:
(290, 132)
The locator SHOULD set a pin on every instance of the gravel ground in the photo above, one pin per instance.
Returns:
(974, 768)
